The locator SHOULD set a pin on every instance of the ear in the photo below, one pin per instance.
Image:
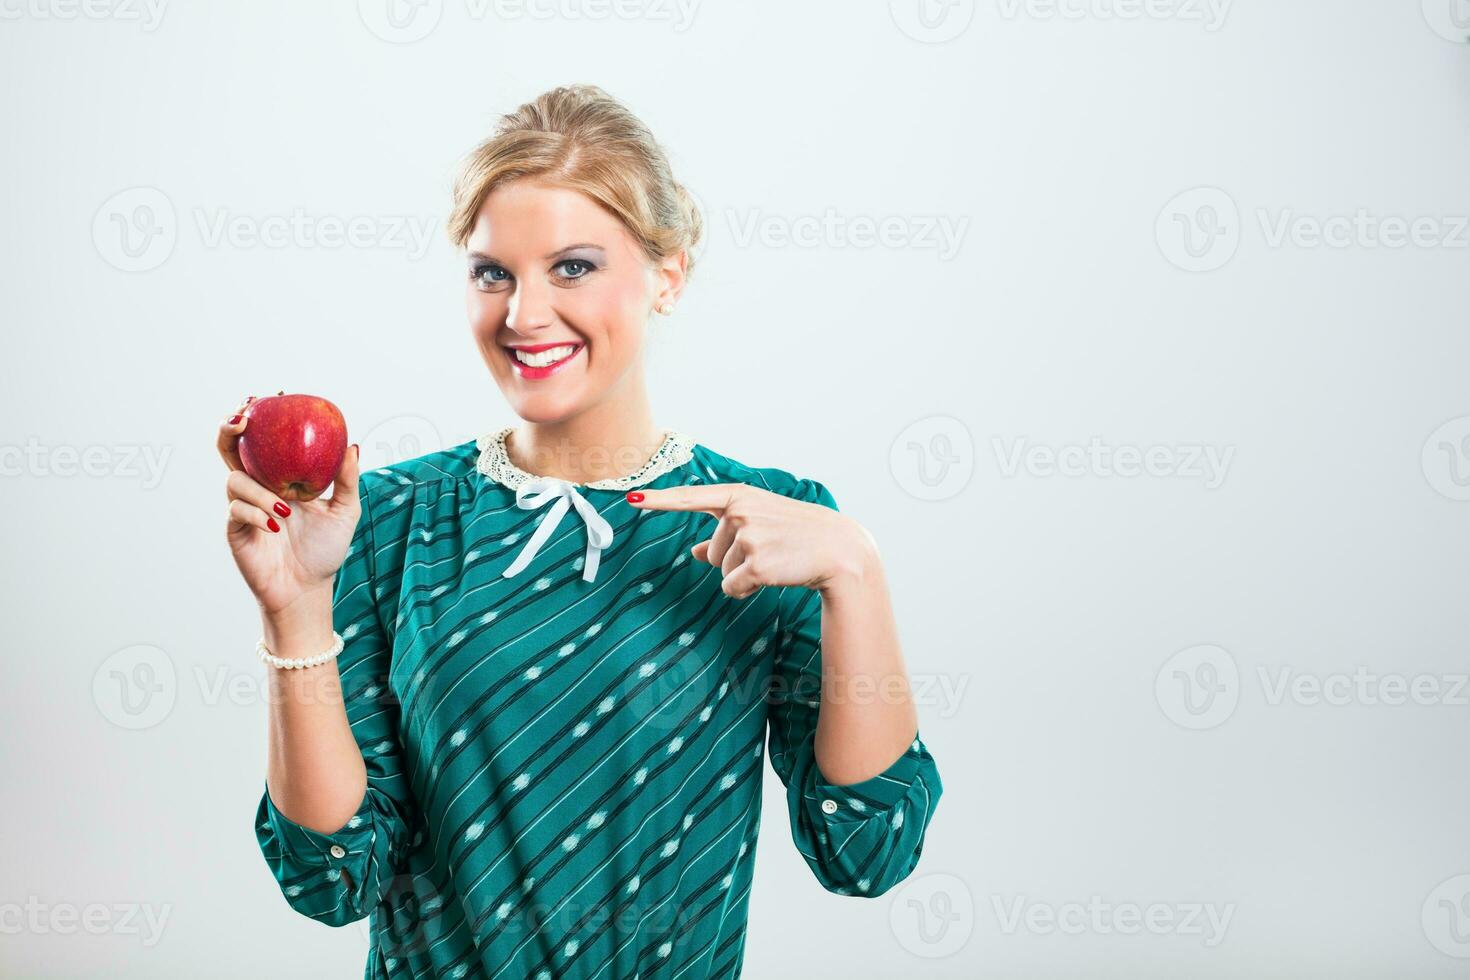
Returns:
(670, 274)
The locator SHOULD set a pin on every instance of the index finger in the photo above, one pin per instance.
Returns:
(712, 498)
(229, 436)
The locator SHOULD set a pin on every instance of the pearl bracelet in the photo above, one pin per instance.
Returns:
(298, 663)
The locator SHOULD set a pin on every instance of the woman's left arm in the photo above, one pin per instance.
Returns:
(861, 785)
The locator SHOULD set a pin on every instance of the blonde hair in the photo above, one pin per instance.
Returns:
(580, 137)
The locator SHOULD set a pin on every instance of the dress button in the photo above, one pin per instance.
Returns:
(829, 806)
(337, 851)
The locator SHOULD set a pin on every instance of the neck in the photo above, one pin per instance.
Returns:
(602, 443)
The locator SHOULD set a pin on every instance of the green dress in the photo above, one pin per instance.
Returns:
(563, 718)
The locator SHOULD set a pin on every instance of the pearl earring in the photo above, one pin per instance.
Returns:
(666, 308)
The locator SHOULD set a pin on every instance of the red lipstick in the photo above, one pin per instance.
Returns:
(537, 373)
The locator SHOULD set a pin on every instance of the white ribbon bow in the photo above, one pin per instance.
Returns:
(545, 490)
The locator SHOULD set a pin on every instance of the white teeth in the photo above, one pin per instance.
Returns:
(545, 357)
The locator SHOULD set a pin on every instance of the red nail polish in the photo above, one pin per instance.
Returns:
(270, 522)
(249, 399)
(282, 509)
(234, 420)
(634, 497)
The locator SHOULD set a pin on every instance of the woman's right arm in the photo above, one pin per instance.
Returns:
(314, 767)
(333, 814)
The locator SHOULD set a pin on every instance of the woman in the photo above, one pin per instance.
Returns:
(538, 752)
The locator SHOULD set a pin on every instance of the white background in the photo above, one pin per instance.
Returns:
(1119, 179)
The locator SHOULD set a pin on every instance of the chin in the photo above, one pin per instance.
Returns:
(543, 410)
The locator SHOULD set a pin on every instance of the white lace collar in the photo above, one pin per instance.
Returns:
(676, 450)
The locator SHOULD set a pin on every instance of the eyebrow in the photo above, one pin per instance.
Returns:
(482, 257)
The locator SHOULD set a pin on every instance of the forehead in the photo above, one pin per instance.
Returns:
(529, 218)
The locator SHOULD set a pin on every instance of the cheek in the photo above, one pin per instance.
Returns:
(486, 311)
(616, 322)
(618, 309)
(610, 314)
(630, 295)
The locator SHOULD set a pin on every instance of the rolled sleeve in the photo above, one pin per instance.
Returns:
(310, 865)
(879, 795)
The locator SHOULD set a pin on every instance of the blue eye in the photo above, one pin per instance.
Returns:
(481, 274)
(575, 262)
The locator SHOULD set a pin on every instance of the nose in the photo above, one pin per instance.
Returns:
(529, 310)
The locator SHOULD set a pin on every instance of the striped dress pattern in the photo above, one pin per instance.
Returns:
(564, 770)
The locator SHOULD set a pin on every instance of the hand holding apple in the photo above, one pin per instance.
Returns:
(287, 551)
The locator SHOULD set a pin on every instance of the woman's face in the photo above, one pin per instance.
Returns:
(554, 275)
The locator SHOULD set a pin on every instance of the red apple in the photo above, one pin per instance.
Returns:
(293, 444)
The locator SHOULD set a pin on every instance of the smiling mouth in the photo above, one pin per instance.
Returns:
(542, 361)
